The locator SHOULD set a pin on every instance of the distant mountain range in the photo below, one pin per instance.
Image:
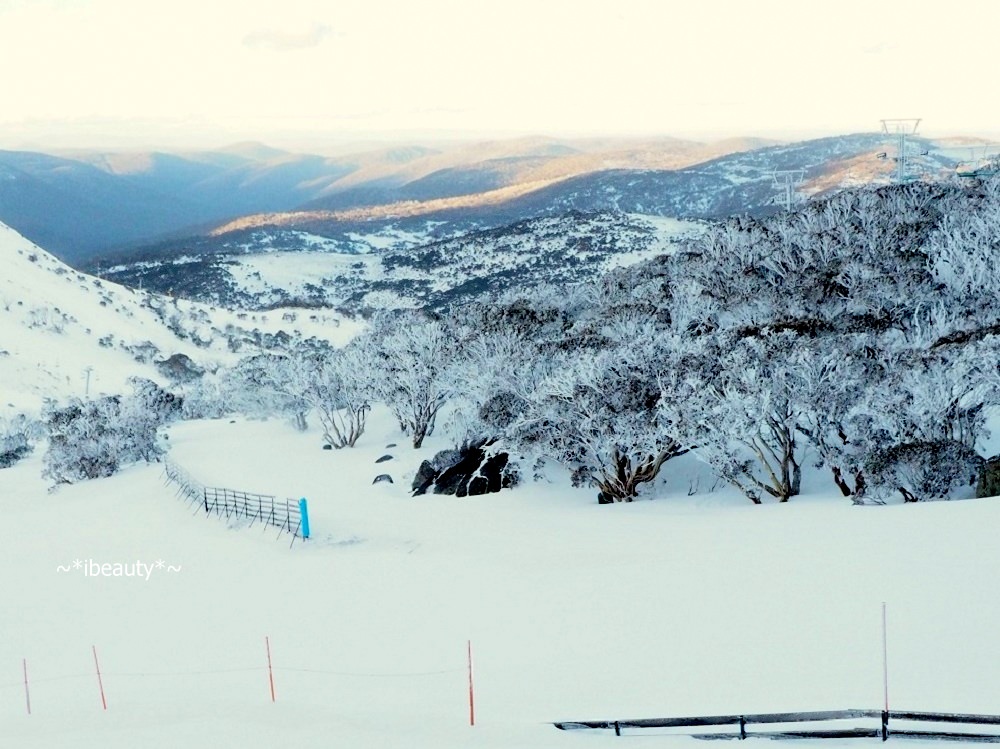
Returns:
(739, 181)
(81, 205)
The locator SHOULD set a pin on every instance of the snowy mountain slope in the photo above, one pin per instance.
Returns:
(573, 247)
(60, 327)
(681, 606)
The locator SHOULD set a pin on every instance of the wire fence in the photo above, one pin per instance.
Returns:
(283, 514)
(19, 685)
(268, 671)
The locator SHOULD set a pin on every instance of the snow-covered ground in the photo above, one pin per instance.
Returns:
(395, 269)
(672, 605)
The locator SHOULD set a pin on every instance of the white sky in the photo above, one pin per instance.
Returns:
(208, 72)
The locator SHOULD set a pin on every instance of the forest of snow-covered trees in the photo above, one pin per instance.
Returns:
(857, 334)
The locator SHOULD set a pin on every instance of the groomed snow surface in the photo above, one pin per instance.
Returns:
(679, 605)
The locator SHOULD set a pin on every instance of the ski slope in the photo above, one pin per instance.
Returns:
(675, 605)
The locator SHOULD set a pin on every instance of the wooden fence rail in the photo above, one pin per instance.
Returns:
(742, 722)
(283, 514)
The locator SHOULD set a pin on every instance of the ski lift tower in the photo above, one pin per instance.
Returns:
(785, 182)
(902, 129)
(980, 163)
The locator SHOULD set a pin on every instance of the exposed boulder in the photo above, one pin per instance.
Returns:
(384, 459)
(472, 470)
(424, 478)
(989, 479)
(383, 477)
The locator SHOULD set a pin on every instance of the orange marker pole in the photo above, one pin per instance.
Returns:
(472, 692)
(100, 683)
(27, 694)
(270, 670)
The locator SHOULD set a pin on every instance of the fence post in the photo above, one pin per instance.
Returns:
(304, 512)
(885, 725)
(743, 727)
(204, 494)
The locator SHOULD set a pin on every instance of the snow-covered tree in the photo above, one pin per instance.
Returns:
(335, 386)
(338, 388)
(490, 372)
(741, 402)
(411, 373)
(270, 384)
(597, 411)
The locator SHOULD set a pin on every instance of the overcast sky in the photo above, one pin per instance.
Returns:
(208, 72)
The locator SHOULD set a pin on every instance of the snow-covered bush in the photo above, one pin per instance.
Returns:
(161, 405)
(269, 385)
(207, 399)
(93, 439)
(962, 255)
(17, 436)
(922, 471)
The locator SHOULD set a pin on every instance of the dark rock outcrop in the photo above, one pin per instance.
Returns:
(469, 471)
(989, 478)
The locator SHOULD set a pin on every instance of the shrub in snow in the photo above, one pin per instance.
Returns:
(339, 391)
(989, 478)
(16, 437)
(93, 439)
(268, 385)
(205, 399)
(922, 471)
(179, 368)
(489, 373)
(919, 418)
(162, 405)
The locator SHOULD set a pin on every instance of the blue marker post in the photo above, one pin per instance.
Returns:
(304, 512)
